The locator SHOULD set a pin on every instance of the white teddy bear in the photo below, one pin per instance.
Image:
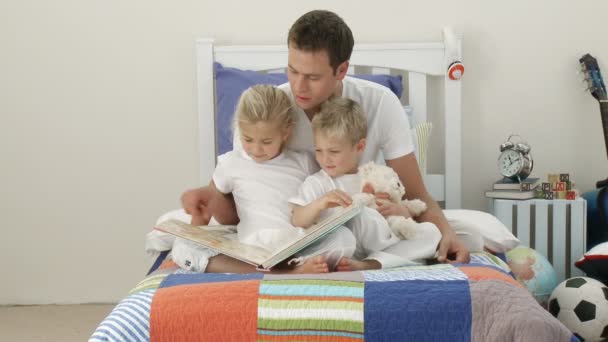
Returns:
(384, 179)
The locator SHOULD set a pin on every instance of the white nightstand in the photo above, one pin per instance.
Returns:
(555, 228)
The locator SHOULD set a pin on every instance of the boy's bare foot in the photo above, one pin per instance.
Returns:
(315, 264)
(347, 264)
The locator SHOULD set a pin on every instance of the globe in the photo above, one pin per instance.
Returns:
(533, 271)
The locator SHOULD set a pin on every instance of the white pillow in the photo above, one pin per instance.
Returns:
(157, 241)
(496, 236)
(177, 214)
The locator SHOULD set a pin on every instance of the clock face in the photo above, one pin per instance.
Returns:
(510, 163)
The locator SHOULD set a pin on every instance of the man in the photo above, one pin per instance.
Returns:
(320, 45)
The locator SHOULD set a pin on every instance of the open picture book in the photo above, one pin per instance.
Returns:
(223, 239)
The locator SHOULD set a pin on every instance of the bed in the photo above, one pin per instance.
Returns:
(479, 301)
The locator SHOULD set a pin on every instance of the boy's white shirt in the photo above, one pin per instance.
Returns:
(369, 228)
(388, 128)
(320, 183)
(261, 191)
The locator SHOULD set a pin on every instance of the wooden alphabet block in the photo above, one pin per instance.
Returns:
(546, 186)
(548, 195)
(539, 193)
(561, 194)
(571, 195)
(564, 177)
(524, 187)
(553, 178)
(560, 186)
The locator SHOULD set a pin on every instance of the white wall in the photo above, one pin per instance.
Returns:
(98, 114)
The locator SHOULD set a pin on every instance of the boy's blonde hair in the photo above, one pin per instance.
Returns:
(265, 102)
(341, 118)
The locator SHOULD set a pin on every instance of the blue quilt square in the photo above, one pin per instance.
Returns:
(197, 278)
(417, 310)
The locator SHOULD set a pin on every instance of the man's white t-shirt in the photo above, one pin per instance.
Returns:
(261, 192)
(388, 129)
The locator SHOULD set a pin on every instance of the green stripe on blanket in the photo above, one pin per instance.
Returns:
(310, 304)
(320, 307)
(311, 324)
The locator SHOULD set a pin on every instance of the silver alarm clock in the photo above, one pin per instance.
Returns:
(515, 161)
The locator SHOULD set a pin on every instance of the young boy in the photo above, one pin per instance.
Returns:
(339, 130)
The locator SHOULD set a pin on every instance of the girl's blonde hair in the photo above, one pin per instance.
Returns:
(265, 103)
(341, 118)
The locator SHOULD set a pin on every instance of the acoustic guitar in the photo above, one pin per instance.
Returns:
(597, 201)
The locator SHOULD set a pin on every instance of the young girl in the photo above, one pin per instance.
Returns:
(262, 176)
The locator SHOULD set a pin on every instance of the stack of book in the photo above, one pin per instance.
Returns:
(509, 189)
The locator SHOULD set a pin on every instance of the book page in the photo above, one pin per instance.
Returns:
(222, 239)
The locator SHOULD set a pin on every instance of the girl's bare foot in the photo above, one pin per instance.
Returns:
(315, 264)
(347, 264)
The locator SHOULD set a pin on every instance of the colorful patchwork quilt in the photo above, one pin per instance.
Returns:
(479, 301)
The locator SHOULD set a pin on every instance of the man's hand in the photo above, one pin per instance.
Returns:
(196, 202)
(450, 247)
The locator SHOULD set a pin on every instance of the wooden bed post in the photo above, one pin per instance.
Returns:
(453, 139)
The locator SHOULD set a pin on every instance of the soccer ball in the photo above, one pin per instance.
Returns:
(581, 304)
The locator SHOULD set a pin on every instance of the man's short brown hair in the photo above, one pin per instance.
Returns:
(323, 30)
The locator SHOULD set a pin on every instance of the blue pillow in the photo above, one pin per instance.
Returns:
(230, 84)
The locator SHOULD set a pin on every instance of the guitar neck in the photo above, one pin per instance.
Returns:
(604, 112)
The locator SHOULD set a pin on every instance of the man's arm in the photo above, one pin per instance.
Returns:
(407, 169)
(202, 203)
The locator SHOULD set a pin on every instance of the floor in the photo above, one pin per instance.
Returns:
(51, 322)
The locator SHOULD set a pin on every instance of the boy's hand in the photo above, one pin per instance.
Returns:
(335, 198)
(368, 188)
(388, 208)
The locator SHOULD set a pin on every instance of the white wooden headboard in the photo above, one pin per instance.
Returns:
(420, 60)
